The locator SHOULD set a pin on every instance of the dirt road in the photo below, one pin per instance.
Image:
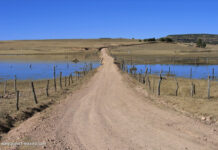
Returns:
(107, 114)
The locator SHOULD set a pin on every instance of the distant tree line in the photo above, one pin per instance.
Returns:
(148, 40)
(168, 40)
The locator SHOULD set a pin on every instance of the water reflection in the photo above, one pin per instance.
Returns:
(39, 70)
(186, 71)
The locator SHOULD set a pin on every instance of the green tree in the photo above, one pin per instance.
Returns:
(162, 39)
(199, 43)
(204, 45)
(169, 40)
(151, 39)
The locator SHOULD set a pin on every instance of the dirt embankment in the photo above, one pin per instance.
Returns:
(106, 113)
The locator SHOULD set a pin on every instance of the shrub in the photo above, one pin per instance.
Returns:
(204, 45)
(162, 39)
(169, 40)
(151, 39)
(201, 44)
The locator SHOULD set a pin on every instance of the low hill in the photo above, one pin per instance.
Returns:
(208, 38)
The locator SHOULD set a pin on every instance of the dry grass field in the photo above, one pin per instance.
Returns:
(58, 50)
(167, 53)
(10, 117)
(199, 105)
(162, 53)
(33, 47)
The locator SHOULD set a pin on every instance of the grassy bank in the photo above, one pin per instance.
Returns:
(197, 105)
(167, 53)
(10, 116)
(68, 46)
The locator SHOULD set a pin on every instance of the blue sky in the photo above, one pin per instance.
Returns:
(61, 19)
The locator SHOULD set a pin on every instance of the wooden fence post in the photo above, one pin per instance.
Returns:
(192, 89)
(47, 87)
(146, 71)
(71, 78)
(61, 80)
(208, 91)
(191, 73)
(139, 77)
(90, 67)
(34, 94)
(17, 102)
(145, 76)
(55, 87)
(5, 87)
(149, 83)
(177, 86)
(213, 77)
(158, 90)
(15, 83)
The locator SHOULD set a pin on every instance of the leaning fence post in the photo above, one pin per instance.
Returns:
(146, 71)
(192, 89)
(213, 77)
(191, 73)
(34, 94)
(61, 80)
(71, 77)
(208, 95)
(69, 80)
(17, 102)
(47, 87)
(55, 87)
(5, 87)
(149, 83)
(153, 84)
(177, 86)
(158, 90)
(15, 83)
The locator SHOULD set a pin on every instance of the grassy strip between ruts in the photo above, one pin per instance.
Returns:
(10, 117)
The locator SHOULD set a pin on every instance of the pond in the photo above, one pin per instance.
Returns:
(185, 71)
(27, 70)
